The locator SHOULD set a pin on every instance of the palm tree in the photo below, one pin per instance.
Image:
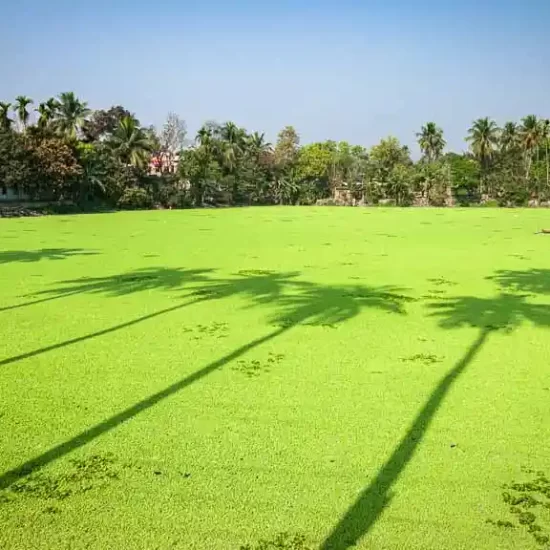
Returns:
(483, 137)
(93, 172)
(509, 137)
(203, 135)
(231, 133)
(21, 104)
(46, 113)
(257, 145)
(70, 114)
(52, 104)
(257, 149)
(530, 136)
(5, 120)
(131, 143)
(431, 141)
(230, 153)
(232, 147)
(207, 143)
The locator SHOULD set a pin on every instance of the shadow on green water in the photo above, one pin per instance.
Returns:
(505, 312)
(141, 280)
(30, 256)
(292, 302)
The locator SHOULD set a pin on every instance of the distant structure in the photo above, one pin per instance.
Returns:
(12, 194)
(164, 163)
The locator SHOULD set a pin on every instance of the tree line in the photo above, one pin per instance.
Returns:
(67, 152)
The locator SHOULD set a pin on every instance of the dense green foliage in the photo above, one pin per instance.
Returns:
(212, 379)
(107, 157)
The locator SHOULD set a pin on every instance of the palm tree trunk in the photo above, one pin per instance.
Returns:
(482, 176)
(547, 166)
(527, 166)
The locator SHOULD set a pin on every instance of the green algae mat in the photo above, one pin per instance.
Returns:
(290, 378)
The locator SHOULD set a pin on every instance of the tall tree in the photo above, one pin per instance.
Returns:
(172, 140)
(5, 120)
(258, 153)
(71, 115)
(21, 104)
(131, 143)
(47, 111)
(53, 104)
(529, 135)
(233, 144)
(231, 133)
(545, 138)
(207, 143)
(483, 137)
(204, 136)
(285, 157)
(199, 165)
(389, 170)
(431, 141)
(509, 137)
(257, 144)
(57, 166)
(17, 166)
(102, 123)
(287, 147)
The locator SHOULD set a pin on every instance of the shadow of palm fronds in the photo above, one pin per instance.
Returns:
(294, 302)
(29, 256)
(505, 311)
(140, 280)
(534, 281)
(330, 305)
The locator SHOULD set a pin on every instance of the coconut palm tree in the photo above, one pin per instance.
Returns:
(207, 143)
(530, 139)
(509, 137)
(21, 104)
(46, 114)
(5, 120)
(431, 141)
(230, 154)
(257, 150)
(131, 143)
(231, 133)
(231, 146)
(483, 137)
(52, 104)
(257, 145)
(70, 114)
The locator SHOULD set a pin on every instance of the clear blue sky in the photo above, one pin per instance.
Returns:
(353, 70)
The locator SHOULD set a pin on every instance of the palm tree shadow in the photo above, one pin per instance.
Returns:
(295, 302)
(140, 280)
(118, 285)
(534, 281)
(505, 312)
(30, 256)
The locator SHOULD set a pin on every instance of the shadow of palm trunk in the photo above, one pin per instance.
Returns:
(63, 449)
(370, 504)
(34, 302)
(103, 332)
